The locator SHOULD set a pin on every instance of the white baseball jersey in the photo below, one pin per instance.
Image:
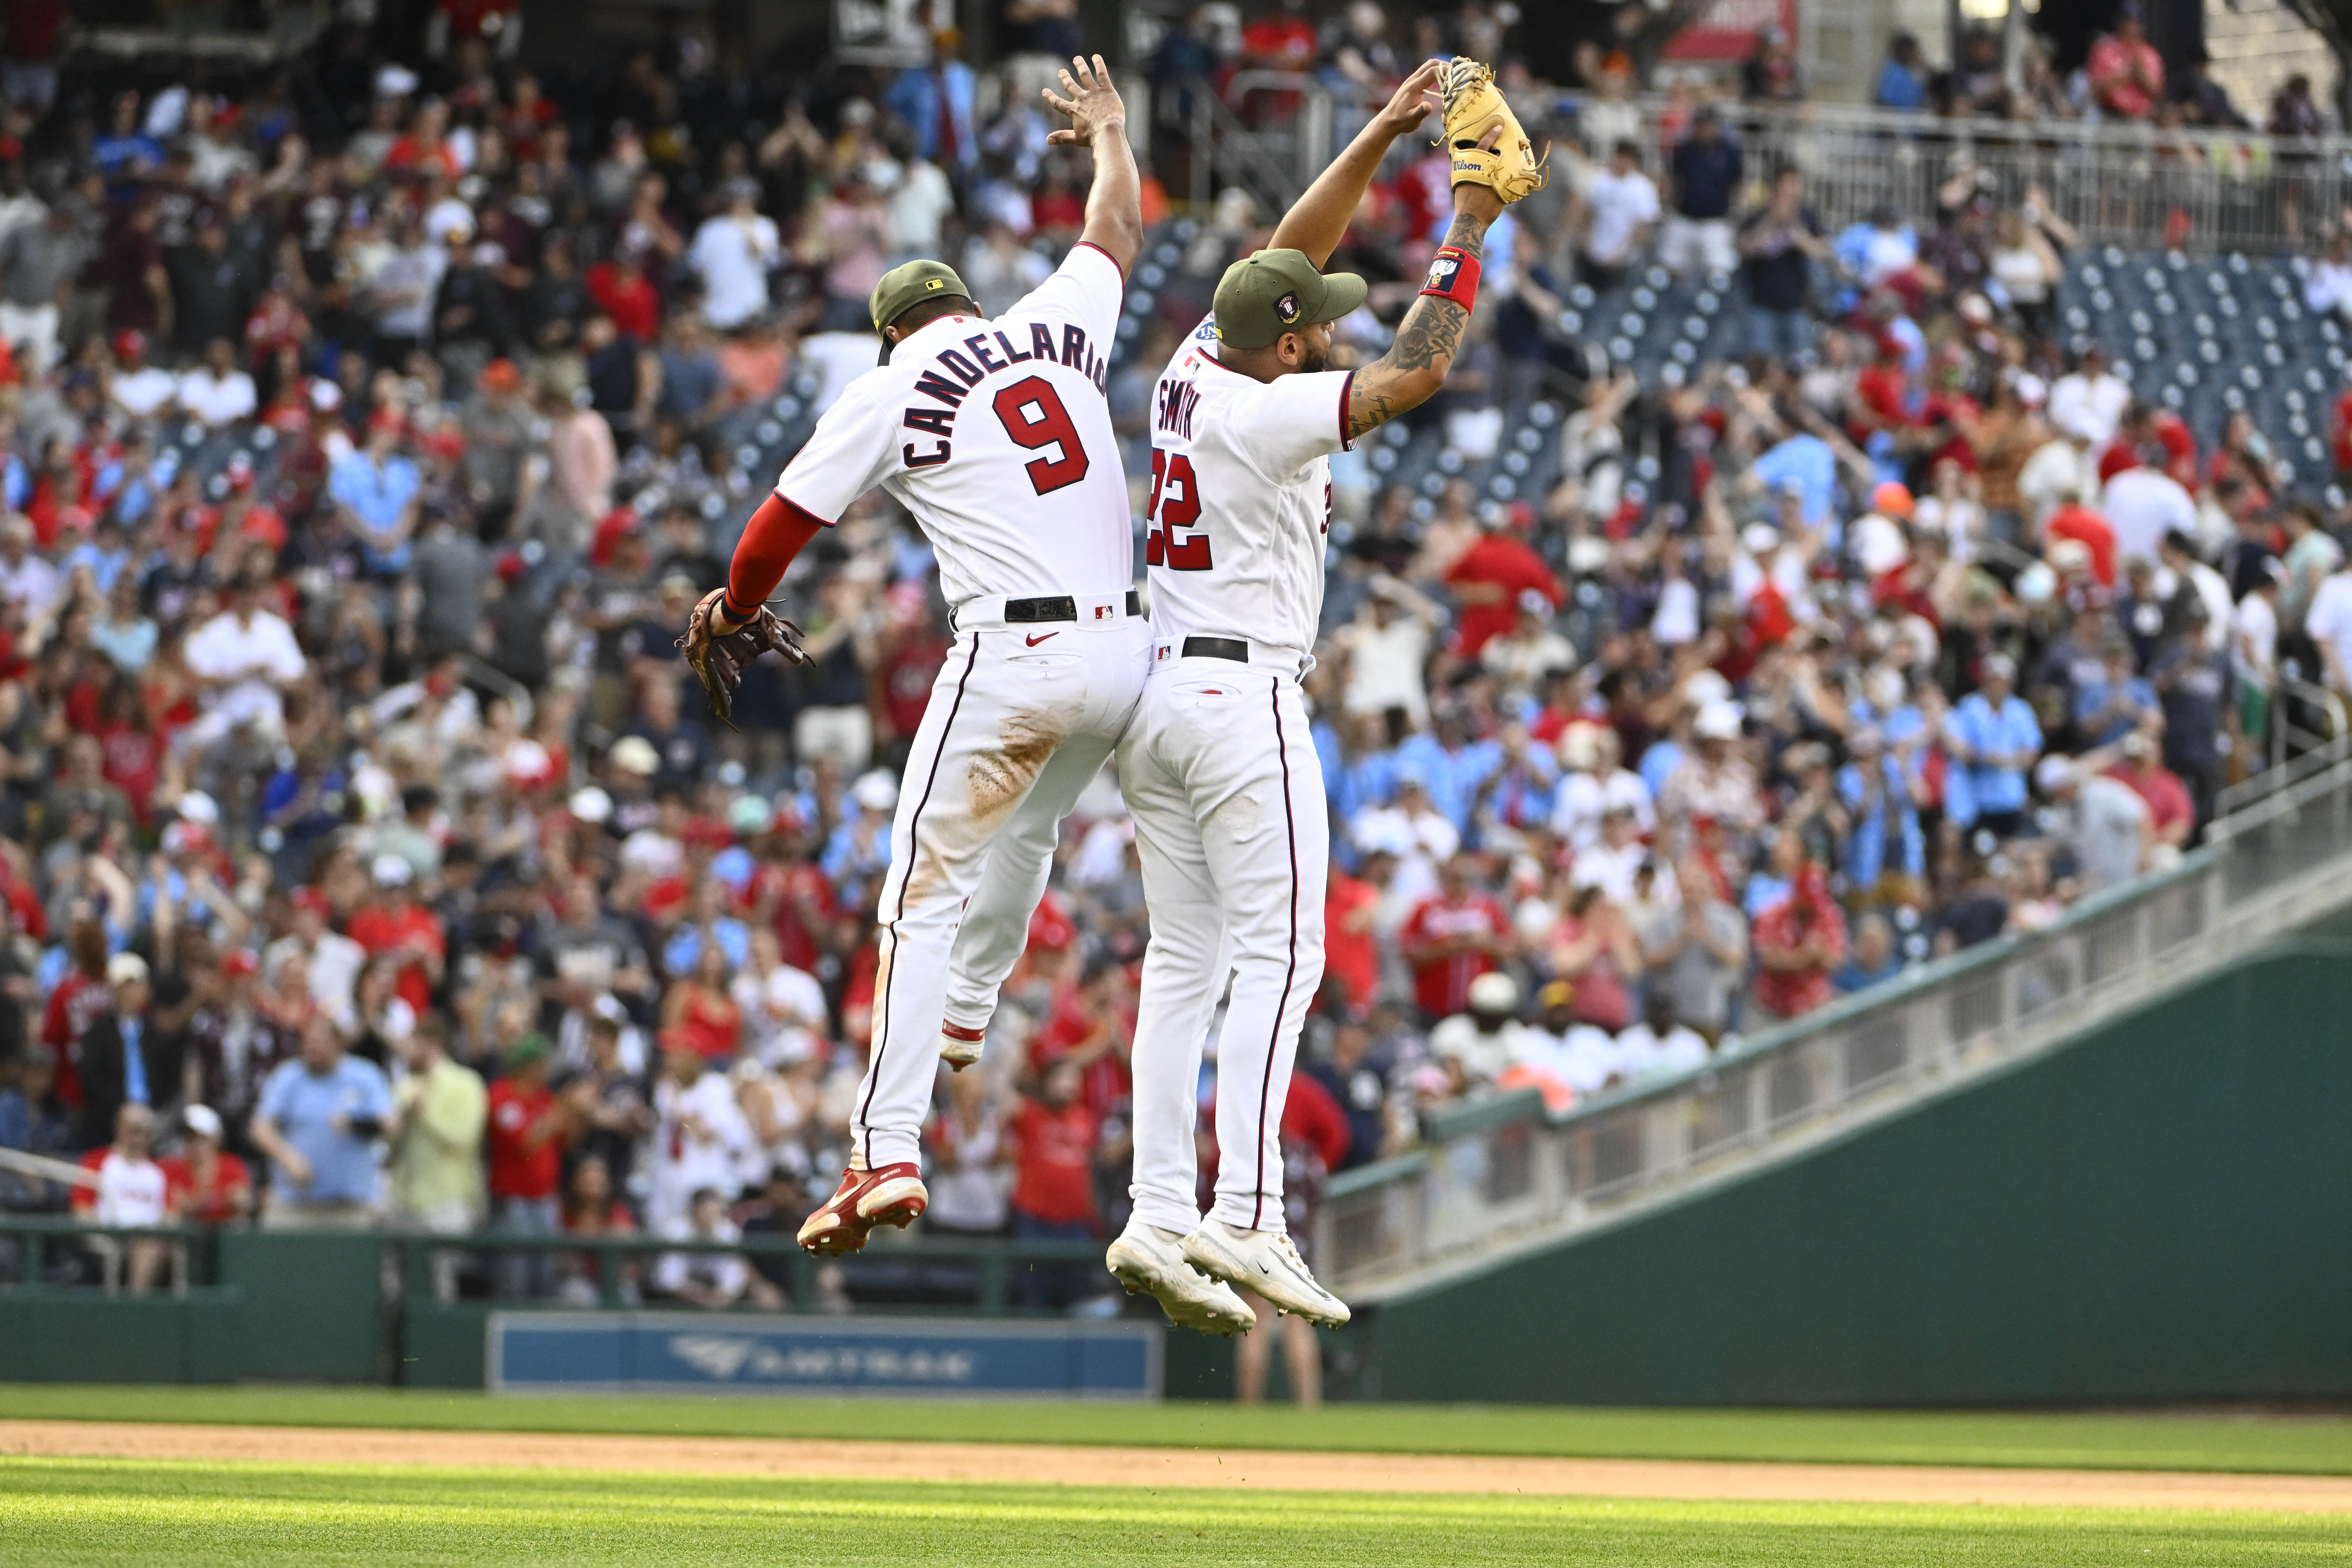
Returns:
(1241, 498)
(997, 435)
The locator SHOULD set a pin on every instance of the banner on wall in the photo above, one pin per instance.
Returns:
(706, 1353)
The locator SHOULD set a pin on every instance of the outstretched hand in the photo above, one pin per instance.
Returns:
(1093, 104)
(1415, 100)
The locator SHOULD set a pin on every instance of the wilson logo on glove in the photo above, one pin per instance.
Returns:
(1474, 106)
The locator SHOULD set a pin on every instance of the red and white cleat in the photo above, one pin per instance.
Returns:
(894, 1195)
(960, 1046)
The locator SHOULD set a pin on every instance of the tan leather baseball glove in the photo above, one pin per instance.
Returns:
(719, 658)
(1474, 106)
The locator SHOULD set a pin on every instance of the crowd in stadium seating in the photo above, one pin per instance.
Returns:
(363, 456)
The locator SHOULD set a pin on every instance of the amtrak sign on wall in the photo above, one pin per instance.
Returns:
(701, 1352)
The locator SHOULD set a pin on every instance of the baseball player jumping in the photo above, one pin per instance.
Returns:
(1218, 767)
(997, 437)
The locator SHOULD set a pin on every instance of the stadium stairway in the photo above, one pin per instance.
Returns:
(2105, 1164)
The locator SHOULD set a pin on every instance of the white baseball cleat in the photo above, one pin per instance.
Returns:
(1152, 1261)
(958, 1046)
(1266, 1262)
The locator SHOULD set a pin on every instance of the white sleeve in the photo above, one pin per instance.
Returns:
(1287, 423)
(286, 661)
(1087, 287)
(853, 449)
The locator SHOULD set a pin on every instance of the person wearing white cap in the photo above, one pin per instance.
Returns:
(2101, 819)
(394, 926)
(1487, 1039)
(1992, 737)
(208, 1185)
(1714, 781)
(1593, 782)
(124, 1062)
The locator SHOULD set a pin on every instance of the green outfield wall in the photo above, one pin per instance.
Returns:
(2161, 1210)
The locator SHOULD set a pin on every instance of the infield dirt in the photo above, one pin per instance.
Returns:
(1038, 1464)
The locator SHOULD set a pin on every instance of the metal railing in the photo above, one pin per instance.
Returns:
(2117, 182)
(986, 1270)
(40, 1250)
(1500, 1176)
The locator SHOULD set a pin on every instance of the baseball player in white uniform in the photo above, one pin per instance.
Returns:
(997, 437)
(1218, 767)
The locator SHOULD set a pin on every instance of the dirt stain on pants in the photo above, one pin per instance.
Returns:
(1000, 774)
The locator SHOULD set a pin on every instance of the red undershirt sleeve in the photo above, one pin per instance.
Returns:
(777, 532)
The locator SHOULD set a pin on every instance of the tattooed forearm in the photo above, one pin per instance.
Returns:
(1468, 233)
(1426, 343)
(1432, 332)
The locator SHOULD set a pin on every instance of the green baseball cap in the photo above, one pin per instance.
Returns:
(1264, 296)
(907, 286)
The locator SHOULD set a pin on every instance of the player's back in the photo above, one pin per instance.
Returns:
(1240, 499)
(996, 435)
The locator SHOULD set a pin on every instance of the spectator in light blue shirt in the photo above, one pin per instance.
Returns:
(1903, 80)
(1451, 766)
(1993, 740)
(1886, 838)
(2112, 707)
(317, 1119)
(1805, 464)
(376, 487)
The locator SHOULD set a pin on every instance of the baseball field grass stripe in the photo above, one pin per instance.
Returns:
(63, 1511)
(2317, 1445)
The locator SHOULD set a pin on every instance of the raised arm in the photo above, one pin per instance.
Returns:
(1099, 120)
(1410, 374)
(1317, 221)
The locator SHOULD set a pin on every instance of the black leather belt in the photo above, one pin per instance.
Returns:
(1029, 612)
(1217, 648)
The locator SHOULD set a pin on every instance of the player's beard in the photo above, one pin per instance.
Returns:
(1313, 361)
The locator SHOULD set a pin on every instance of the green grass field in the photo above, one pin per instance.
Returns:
(64, 1511)
(2288, 1445)
(57, 1511)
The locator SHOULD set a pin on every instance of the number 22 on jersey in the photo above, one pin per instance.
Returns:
(1175, 507)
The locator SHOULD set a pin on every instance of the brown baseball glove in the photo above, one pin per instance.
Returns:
(1473, 108)
(719, 658)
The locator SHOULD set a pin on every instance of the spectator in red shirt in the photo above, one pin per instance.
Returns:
(1487, 581)
(206, 1186)
(623, 292)
(394, 924)
(2127, 73)
(1452, 937)
(1799, 941)
(2076, 521)
(2155, 437)
(1881, 392)
(424, 148)
(1056, 1140)
(2172, 814)
(78, 1002)
(1351, 952)
(529, 1128)
(1092, 1027)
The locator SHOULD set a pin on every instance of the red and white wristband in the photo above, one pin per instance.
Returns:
(1454, 275)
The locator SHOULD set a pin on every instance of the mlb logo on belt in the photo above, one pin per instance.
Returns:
(1102, 612)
